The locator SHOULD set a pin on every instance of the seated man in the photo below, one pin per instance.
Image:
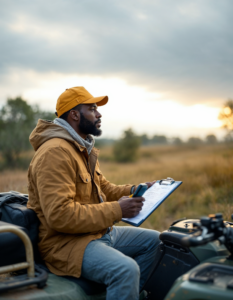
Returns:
(77, 206)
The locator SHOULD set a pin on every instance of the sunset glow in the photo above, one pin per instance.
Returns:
(128, 106)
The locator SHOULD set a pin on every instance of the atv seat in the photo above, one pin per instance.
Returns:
(90, 287)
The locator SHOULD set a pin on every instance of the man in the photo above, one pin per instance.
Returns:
(77, 206)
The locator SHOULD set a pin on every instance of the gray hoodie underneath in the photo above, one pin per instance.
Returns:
(88, 143)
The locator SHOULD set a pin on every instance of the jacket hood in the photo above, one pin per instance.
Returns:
(46, 130)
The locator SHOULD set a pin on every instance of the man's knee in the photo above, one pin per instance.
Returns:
(155, 237)
(129, 268)
(132, 267)
(152, 238)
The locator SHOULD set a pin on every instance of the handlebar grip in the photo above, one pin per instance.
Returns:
(190, 241)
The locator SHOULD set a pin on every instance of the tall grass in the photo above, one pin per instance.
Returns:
(206, 172)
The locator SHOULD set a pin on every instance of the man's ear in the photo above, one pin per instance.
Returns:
(75, 115)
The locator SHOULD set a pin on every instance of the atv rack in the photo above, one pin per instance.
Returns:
(39, 277)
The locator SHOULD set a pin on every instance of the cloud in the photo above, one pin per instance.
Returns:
(183, 49)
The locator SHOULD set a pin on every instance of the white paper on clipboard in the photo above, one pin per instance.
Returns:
(153, 198)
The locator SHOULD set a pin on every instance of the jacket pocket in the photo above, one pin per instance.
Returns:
(85, 177)
(83, 188)
(98, 171)
(97, 175)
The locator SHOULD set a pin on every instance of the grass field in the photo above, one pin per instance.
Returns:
(206, 172)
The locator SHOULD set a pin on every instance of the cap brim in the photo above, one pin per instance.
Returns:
(100, 100)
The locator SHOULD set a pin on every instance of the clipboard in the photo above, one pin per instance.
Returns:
(154, 196)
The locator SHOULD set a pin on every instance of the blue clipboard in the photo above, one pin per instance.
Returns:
(154, 196)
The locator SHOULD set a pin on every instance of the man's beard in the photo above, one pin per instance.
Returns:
(87, 127)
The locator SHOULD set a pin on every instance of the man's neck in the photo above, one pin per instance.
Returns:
(84, 136)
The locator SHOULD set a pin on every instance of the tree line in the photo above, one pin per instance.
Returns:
(18, 119)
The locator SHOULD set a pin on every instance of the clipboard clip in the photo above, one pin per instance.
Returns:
(168, 181)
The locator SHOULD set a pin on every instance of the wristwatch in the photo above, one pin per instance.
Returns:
(132, 190)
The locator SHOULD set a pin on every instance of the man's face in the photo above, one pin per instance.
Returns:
(90, 121)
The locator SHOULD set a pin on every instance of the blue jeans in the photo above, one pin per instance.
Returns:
(123, 260)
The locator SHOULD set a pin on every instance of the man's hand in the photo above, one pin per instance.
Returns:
(149, 184)
(130, 206)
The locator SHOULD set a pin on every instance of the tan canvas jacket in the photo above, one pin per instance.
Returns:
(65, 185)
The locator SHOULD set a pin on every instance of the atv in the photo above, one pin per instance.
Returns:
(195, 260)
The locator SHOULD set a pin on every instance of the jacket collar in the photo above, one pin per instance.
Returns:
(81, 148)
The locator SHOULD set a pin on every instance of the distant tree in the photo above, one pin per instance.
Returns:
(144, 139)
(211, 139)
(195, 141)
(226, 116)
(229, 137)
(177, 141)
(17, 120)
(126, 148)
(159, 139)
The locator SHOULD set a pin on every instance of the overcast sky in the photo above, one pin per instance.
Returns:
(158, 61)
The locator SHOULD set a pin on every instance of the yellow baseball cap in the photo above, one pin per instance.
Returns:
(75, 96)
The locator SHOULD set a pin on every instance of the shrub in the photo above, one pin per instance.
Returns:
(126, 148)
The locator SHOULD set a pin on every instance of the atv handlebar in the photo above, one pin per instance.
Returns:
(210, 229)
(196, 240)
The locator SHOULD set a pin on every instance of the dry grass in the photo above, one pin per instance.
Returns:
(206, 172)
(15, 180)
